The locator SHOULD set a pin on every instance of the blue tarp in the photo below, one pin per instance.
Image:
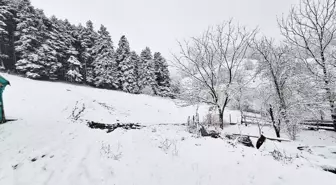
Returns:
(3, 84)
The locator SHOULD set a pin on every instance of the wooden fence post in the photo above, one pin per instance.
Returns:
(230, 119)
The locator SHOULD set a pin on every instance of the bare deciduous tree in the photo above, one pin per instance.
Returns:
(275, 65)
(211, 64)
(311, 29)
(292, 96)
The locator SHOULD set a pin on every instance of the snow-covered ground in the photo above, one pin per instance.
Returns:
(51, 144)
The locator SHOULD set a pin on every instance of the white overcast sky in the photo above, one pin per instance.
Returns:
(158, 23)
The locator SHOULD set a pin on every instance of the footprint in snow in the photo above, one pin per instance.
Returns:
(16, 166)
(42, 156)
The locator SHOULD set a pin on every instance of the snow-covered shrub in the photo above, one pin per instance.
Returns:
(175, 88)
(296, 115)
(292, 129)
(147, 90)
(74, 76)
(277, 155)
(211, 119)
(192, 129)
(32, 75)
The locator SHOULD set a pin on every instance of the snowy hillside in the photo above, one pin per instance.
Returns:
(51, 144)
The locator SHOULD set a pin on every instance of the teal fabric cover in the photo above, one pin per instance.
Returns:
(3, 83)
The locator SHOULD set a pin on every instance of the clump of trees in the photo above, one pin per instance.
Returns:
(45, 48)
(297, 74)
(310, 28)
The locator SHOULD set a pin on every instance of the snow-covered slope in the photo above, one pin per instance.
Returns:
(51, 144)
(28, 99)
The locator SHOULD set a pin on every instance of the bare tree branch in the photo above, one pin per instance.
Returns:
(211, 63)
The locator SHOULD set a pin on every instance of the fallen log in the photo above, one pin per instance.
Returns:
(245, 140)
(307, 147)
(315, 128)
(270, 138)
(318, 124)
(329, 169)
(111, 127)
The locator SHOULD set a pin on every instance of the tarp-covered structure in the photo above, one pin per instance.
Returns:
(3, 83)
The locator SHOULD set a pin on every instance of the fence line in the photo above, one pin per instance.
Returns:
(308, 124)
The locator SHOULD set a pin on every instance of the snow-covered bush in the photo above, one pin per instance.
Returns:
(32, 75)
(277, 155)
(147, 90)
(211, 118)
(74, 76)
(192, 129)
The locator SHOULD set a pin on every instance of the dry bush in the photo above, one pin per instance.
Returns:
(277, 155)
(211, 119)
(296, 115)
(108, 151)
(168, 144)
(292, 130)
(192, 129)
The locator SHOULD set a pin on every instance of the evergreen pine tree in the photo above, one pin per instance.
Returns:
(104, 65)
(29, 41)
(77, 44)
(87, 39)
(147, 82)
(122, 59)
(130, 75)
(37, 55)
(162, 77)
(135, 60)
(51, 50)
(7, 40)
(4, 14)
(73, 74)
(62, 41)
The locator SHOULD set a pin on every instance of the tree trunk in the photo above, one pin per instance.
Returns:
(277, 129)
(241, 117)
(332, 107)
(221, 112)
(330, 98)
(221, 120)
(13, 49)
(275, 126)
(333, 117)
